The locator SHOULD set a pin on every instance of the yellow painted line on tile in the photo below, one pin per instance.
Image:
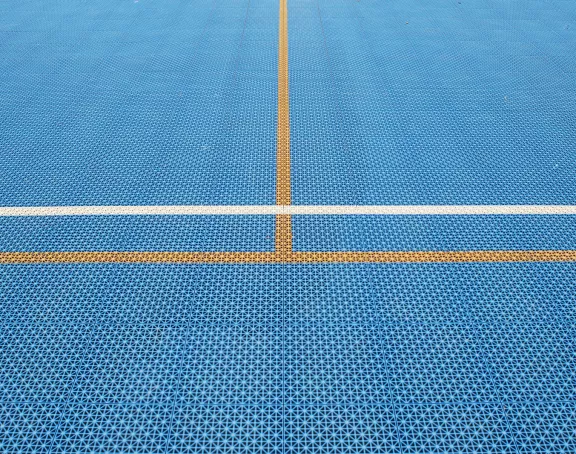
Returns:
(432, 257)
(283, 241)
(287, 257)
(283, 196)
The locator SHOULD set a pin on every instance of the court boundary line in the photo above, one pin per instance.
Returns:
(286, 257)
(283, 237)
(263, 210)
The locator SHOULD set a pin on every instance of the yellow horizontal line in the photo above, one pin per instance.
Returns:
(287, 257)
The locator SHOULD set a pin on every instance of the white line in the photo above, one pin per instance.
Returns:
(435, 209)
(139, 210)
(287, 209)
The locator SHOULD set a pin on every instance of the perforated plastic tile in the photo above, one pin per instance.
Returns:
(340, 428)
(236, 294)
(141, 102)
(114, 108)
(424, 370)
(141, 294)
(329, 364)
(132, 364)
(137, 233)
(227, 428)
(460, 427)
(113, 428)
(433, 233)
(435, 363)
(336, 294)
(28, 428)
(531, 362)
(40, 363)
(477, 292)
(233, 364)
(544, 427)
(433, 103)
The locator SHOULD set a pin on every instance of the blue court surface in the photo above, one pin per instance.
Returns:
(276, 342)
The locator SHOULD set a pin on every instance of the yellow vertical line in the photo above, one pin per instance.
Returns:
(283, 234)
(283, 196)
(283, 127)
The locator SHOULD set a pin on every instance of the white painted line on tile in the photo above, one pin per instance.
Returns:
(155, 210)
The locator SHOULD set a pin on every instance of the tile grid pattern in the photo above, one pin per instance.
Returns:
(230, 358)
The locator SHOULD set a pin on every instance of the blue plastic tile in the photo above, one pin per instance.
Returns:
(530, 362)
(331, 294)
(433, 232)
(132, 364)
(141, 293)
(430, 363)
(475, 292)
(41, 363)
(236, 294)
(113, 428)
(542, 427)
(28, 428)
(334, 364)
(109, 122)
(227, 428)
(453, 80)
(460, 427)
(137, 233)
(233, 364)
(340, 429)
(406, 102)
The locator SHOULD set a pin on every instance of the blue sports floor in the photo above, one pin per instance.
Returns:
(392, 103)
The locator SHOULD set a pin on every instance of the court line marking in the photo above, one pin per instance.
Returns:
(161, 210)
(283, 234)
(283, 190)
(286, 257)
